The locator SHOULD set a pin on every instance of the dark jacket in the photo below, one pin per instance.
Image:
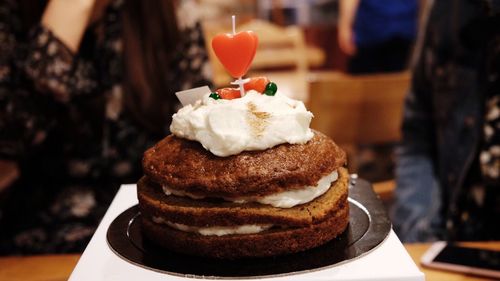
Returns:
(442, 127)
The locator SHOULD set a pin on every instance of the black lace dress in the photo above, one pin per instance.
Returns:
(62, 119)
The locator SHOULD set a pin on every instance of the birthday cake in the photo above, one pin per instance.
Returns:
(243, 175)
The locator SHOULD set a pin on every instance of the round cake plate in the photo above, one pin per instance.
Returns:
(368, 227)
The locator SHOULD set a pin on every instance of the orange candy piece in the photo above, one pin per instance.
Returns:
(235, 51)
(256, 83)
(229, 93)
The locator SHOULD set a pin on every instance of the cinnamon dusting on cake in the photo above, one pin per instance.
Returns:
(257, 119)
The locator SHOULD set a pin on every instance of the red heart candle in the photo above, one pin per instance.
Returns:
(235, 51)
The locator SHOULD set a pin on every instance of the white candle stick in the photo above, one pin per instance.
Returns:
(239, 81)
(233, 19)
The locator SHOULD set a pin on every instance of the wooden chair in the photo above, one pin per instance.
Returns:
(282, 48)
(357, 110)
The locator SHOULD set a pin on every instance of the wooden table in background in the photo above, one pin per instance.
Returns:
(37, 268)
(59, 267)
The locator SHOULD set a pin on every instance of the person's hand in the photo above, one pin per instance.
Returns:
(68, 19)
(346, 39)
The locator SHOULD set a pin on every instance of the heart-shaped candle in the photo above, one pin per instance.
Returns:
(235, 51)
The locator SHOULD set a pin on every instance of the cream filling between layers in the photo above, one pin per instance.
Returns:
(215, 230)
(285, 199)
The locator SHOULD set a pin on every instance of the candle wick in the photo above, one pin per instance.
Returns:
(233, 18)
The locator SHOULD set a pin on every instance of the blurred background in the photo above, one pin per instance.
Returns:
(301, 50)
(86, 86)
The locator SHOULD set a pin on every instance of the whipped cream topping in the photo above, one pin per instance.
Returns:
(215, 230)
(253, 122)
(285, 199)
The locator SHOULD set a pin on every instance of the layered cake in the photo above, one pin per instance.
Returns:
(243, 177)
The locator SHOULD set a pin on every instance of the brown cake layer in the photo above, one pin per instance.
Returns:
(153, 202)
(267, 243)
(185, 165)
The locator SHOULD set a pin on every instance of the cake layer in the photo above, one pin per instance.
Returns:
(183, 210)
(185, 165)
(271, 242)
(285, 199)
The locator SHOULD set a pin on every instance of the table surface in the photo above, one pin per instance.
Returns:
(59, 267)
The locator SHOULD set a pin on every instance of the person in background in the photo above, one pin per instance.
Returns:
(448, 165)
(86, 86)
(377, 35)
